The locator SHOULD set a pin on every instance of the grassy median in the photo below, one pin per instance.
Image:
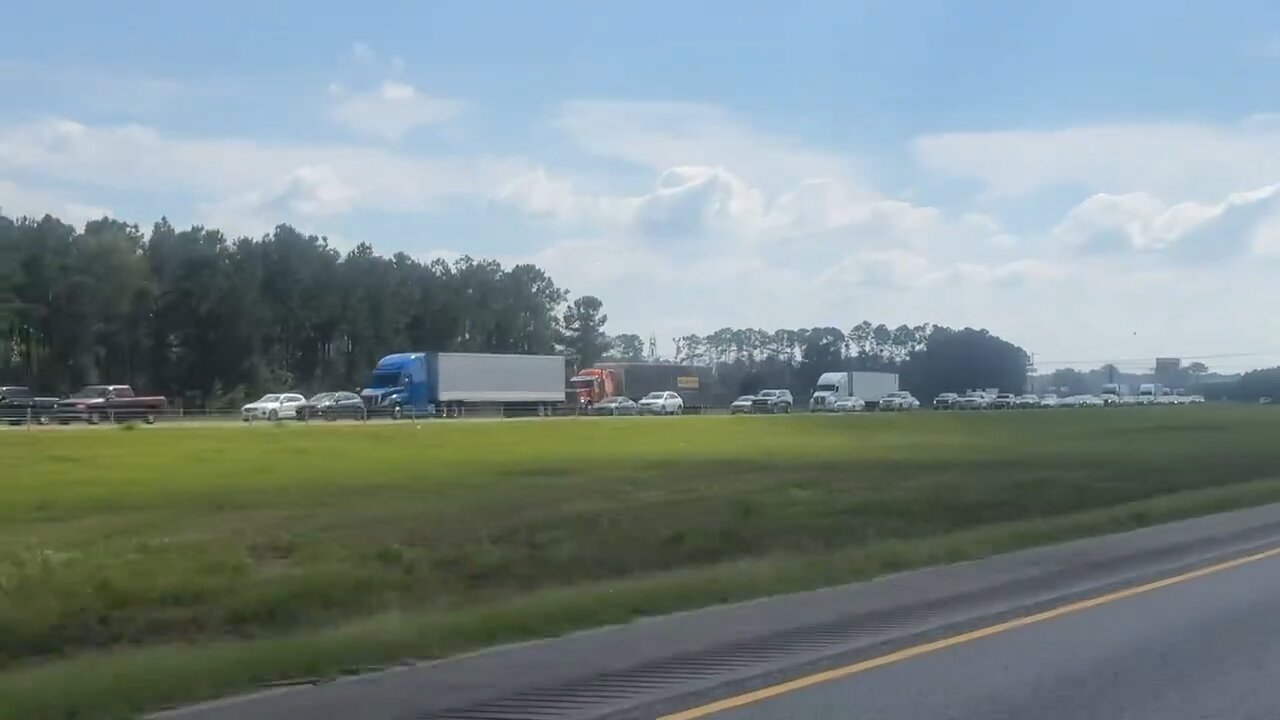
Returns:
(156, 566)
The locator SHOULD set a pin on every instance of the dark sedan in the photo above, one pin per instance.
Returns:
(615, 406)
(332, 406)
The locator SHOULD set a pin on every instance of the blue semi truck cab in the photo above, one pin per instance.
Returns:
(399, 384)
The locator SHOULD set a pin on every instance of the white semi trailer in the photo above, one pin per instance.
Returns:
(834, 386)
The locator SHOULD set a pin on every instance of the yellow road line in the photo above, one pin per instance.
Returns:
(915, 651)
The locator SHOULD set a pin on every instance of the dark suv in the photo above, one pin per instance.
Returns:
(772, 401)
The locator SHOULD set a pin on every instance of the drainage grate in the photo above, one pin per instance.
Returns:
(595, 695)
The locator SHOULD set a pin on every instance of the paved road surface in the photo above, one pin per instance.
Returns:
(1204, 648)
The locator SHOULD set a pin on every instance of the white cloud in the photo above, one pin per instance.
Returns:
(391, 110)
(1165, 159)
(309, 192)
(662, 135)
(698, 202)
(140, 159)
(1142, 222)
(20, 199)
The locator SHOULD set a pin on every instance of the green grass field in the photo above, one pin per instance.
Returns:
(156, 566)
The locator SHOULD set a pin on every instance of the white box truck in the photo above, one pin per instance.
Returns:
(834, 386)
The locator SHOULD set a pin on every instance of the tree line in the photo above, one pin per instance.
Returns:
(929, 359)
(211, 320)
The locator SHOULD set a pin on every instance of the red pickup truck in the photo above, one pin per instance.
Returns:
(96, 403)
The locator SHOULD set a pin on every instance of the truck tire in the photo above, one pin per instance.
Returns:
(397, 412)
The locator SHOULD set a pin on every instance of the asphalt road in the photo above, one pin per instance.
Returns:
(1208, 647)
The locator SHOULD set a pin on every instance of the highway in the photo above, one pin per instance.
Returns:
(1201, 646)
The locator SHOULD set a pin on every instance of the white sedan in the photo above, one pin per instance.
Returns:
(741, 405)
(663, 402)
(853, 403)
(273, 407)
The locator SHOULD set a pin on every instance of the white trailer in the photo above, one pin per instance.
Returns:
(834, 386)
(486, 378)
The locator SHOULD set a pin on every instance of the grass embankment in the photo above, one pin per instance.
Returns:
(142, 568)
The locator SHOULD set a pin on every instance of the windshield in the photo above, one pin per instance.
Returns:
(654, 396)
(826, 387)
(385, 379)
(976, 395)
(582, 382)
(92, 391)
(322, 397)
(745, 398)
(947, 396)
(768, 393)
(269, 399)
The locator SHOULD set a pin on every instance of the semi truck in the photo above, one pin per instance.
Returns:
(430, 383)
(1149, 393)
(832, 387)
(1113, 393)
(696, 384)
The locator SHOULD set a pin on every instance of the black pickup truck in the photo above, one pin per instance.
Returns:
(19, 405)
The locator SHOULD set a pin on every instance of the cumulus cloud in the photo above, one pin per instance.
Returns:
(1142, 222)
(17, 200)
(137, 158)
(662, 135)
(308, 192)
(1165, 159)
(701, 202)
(391, 110)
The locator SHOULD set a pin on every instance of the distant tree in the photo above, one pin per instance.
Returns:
(584, 339)
(628, 347)
(959, 360)
(1197, 368)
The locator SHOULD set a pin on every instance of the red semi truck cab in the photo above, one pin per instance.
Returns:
(595, 384)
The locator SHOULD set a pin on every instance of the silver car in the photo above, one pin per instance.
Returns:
(741, 405)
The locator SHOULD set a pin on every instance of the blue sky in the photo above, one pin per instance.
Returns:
(1093, 180)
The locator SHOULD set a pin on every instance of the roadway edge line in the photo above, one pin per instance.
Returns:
(765, 693)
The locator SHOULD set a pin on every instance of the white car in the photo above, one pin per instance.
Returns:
(1091, 401)
(1195, 399)
(741, 405)
(662, 402)
(853, 403)
(1049, 401)
(899, 400)
(273, 407)
(973, 400)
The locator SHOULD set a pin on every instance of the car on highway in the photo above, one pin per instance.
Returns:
(616, 405)
(973, 400)
(1027, 402)
(1049, 400)
(332, 406)
(1004, 401)
(741, 405)
(97, 403)
(272, 407)
(1195, 399)
(945, 401)
(853, 403)
(19, 405)
(661, 402)
(898, 400)
(1092, 401)
(772, 401)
